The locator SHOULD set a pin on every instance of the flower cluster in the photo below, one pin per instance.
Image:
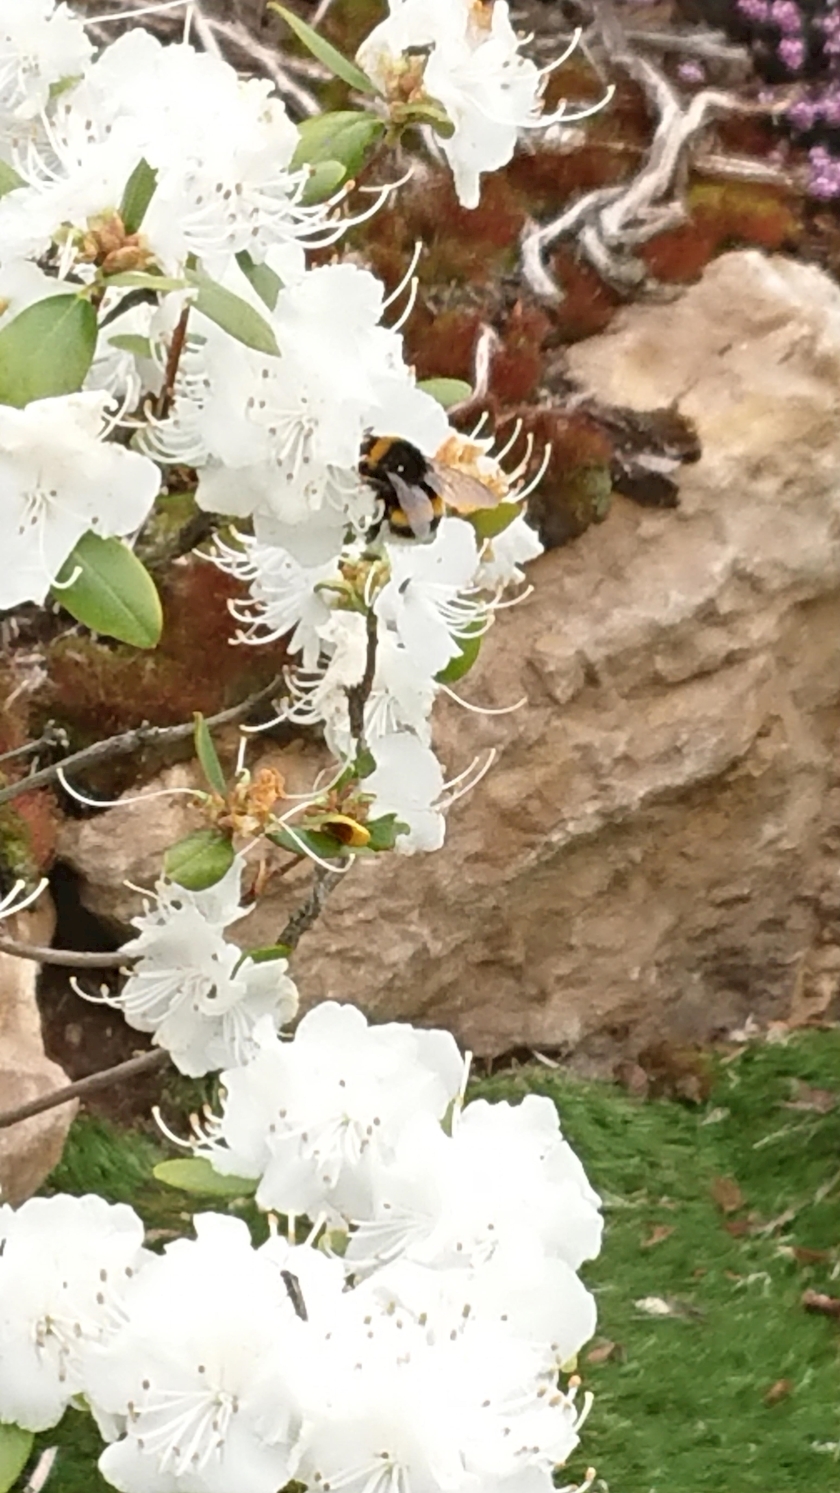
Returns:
(790, 37)
(169, 258)
(415, 1340)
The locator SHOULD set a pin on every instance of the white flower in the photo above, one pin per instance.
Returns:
(65, 1267)
(503, 556)
(205, 1359)
(284, 599)
(225, 187)
(419, 1395)
(278, 438)
(310, 1114)
(191, 987)
(505, 1178)
(57, 480)
(401, 697)
(474, 70)
(429, 601)
(40, 44)
(408, 781)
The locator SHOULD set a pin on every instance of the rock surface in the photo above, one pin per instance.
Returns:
(30, 1149)
(655, 851)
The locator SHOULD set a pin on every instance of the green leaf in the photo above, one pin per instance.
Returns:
(233, 314)
(302, 840)
(15, 1446)
(384, 831)
(488, 522)
(139, 191)
(447, 391)
(195, 1174)
(325, 52)
(46, 350)
(323, 179)
(346, 136)
(463, 661)
(207, 756)
(364, 764)
(267, 285)
(199, 860)
(113, 594)
(129, 342)
(9, 178)
(266, 955)
(145, 280)
(423, 111)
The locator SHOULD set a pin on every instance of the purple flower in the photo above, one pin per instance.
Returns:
(691, 71)
(786, 15)
(792, 52)
(825, 173)
(755, 10)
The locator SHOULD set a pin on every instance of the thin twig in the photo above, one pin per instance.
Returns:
(309, 912)
(146, 1063)
(51, 736)
(132, 741)
(357, 695)
(176, 347)
(68, 958)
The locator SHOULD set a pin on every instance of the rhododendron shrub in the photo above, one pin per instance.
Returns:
(163, 328)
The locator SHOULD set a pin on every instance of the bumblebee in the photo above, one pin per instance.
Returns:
(415, 489)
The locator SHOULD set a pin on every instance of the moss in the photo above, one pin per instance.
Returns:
(682, 1401)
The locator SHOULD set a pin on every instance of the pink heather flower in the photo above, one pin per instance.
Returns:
(792, 52)
(786, 15)
(691, 71)
(755, 10)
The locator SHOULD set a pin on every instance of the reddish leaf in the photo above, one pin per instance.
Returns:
(804, 1256)
(727, 1194)
(659, 1232)
(778, 1391)
(815, 1301)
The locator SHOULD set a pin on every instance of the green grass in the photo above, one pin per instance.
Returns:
(680, 1406)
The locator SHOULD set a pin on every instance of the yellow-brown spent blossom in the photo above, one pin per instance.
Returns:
(470, 457)
(107, 244)
(249, 808)
(481, 18)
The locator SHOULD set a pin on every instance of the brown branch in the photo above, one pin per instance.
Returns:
(309, 912)
(146, 1063)
(358, 694)
(132, 741)
(176, 347)
(69, 958)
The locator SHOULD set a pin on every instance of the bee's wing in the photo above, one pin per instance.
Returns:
(414, 504)
(458, 490)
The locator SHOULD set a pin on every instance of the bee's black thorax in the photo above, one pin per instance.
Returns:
(386, 456)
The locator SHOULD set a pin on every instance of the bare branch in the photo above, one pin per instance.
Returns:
(609, 223)
(69, 958)
(132, 741)
(358, 695)
(309, 912)
(146, 1063)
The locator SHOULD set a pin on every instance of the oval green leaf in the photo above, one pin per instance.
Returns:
(47, 350)
(143, 280)
(199, 860)
(447, 391)
(488, 522)
(139, 191)
(304, 841)
(15, 1446)
(112, 593)
(267, 285)
(208, 757)
(195, 1174)
(232, 314)
(9, 178)
(325, 51)
(346, 136)
(266, 955)
(384, 831)
(324, 177)
(130, 342)
(462, 662)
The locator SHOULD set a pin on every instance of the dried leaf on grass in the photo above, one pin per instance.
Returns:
(659, 1232)
(778, 1391)
(727, 1194)
(816, 1301)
